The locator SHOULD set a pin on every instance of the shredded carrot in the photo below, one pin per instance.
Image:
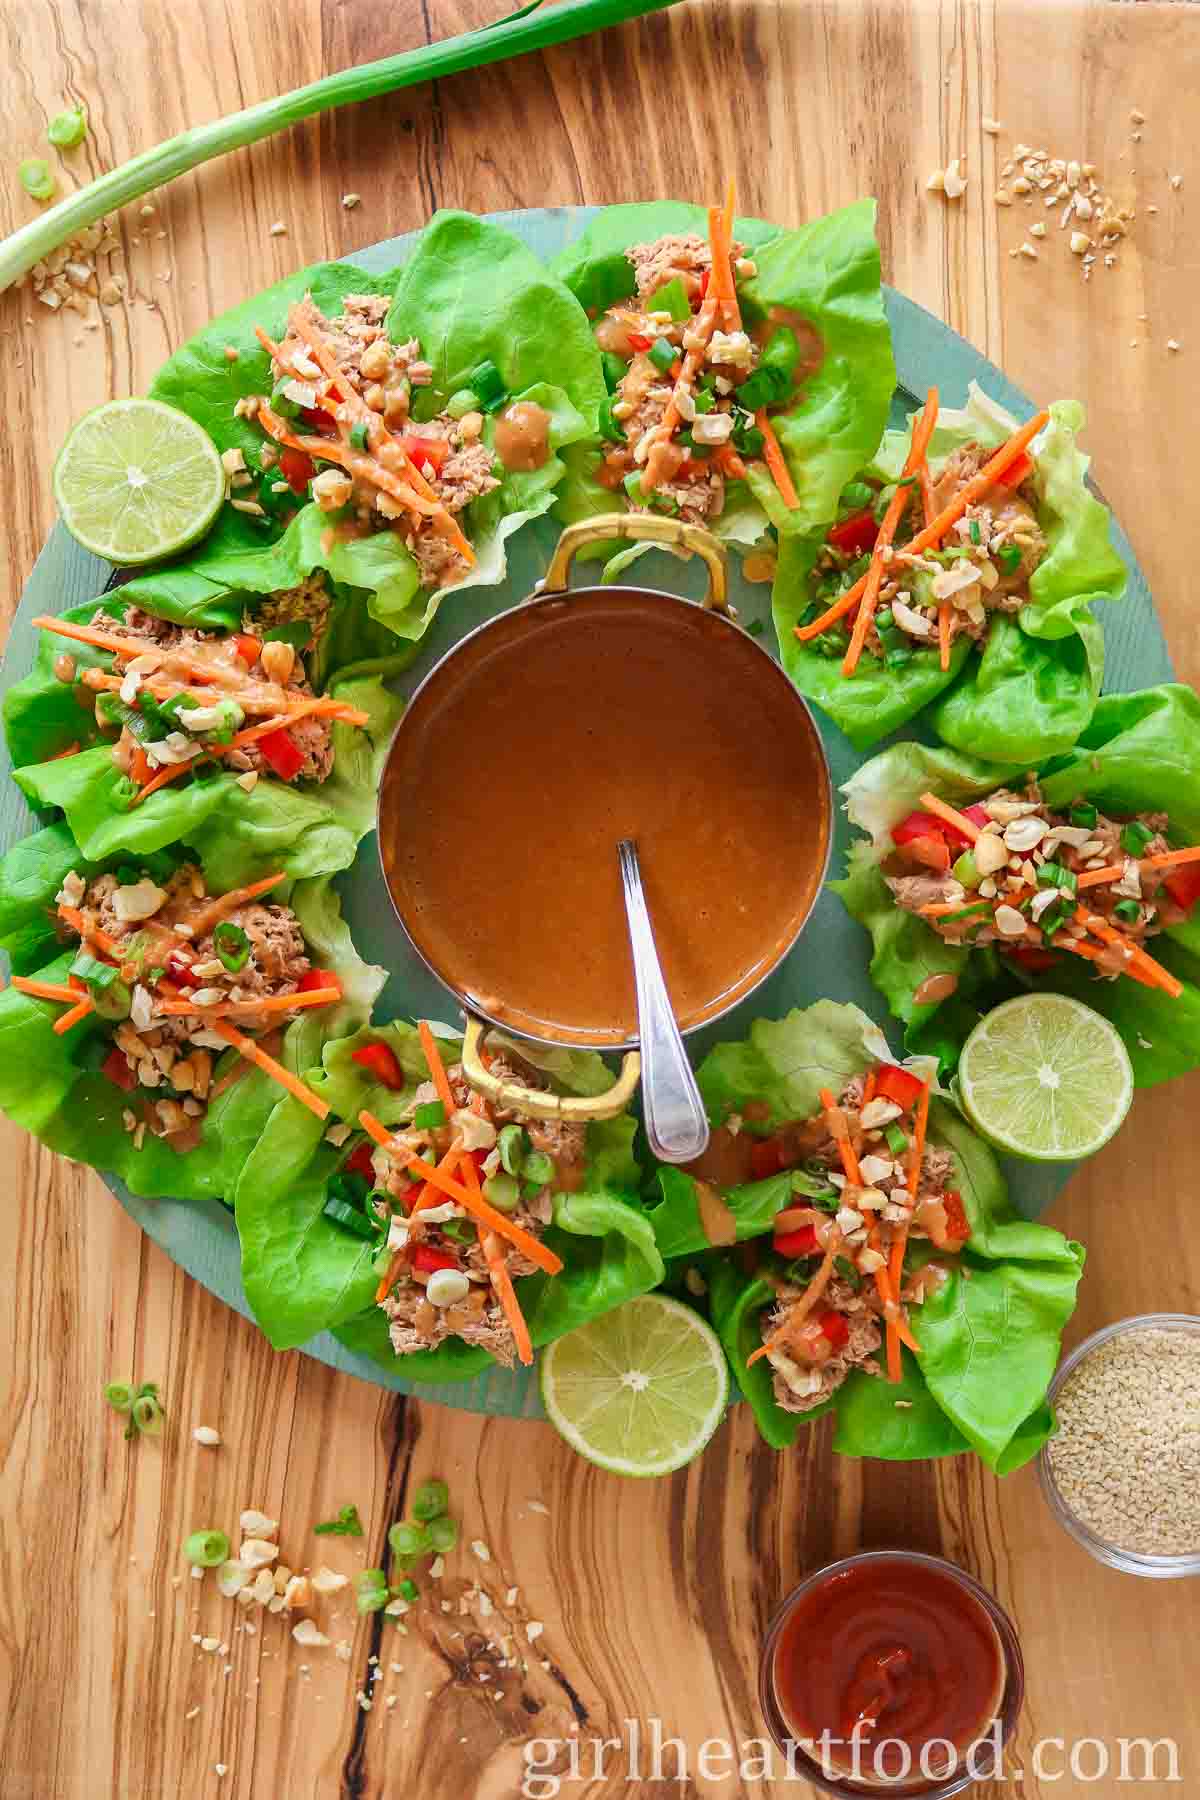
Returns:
(922, 432)
(928, 503)
(72, 916)
(1168, 859)
(941, 810)
(729, 462)
(254, 1053)
(239, 740)
(835, 1120)
(803, 1305)
(1091, 954)
(506, 1293)
(944, 634)
(66, 1021)
(900, 1241)
(391, 1273)
(223, 1009)
(252, 698)
(1139, 959)
(937, 527)
(720, 238)
(437, 1068)
(703, 327)
(774, 459)
(916, 1158)
(44, 990)
(216, 910)
(357, 462)
(482, 1209)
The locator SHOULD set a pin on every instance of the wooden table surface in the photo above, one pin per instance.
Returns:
(653, 1597)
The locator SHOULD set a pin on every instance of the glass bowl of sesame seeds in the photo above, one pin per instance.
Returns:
(1122, 1475)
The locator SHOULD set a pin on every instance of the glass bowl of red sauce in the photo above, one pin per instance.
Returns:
(892, 1672)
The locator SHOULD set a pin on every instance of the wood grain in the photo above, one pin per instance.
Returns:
(653, 1597)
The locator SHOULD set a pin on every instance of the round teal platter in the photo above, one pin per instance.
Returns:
(830, 959)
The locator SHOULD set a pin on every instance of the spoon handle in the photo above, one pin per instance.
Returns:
(676, 1124)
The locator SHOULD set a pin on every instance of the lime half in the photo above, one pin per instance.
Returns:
(640, 1390)
(1045, 1077)
(137, 480)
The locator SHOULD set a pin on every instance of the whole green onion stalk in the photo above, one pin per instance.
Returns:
(515, 35)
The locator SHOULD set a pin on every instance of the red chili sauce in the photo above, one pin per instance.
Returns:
(901, 1648)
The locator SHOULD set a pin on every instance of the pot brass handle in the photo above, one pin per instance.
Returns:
(643, 528)
(504, 1091)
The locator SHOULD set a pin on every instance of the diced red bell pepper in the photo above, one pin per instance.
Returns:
(767, 1158)
(917, 825)
(978, 815)
(834, 1325)
(1016, 472)
(312, 979)
(116, 1067)
(802, 1242)
(379, 1060)
(639, 341)
(704, 281)
(433, 451)
(429, 1260)
(1033, 957)
(248, 648)
(360, 1163)
(1183, 884)
(899, 1085)
(281, 754)
(317, 419)
(297, 469)
(855, 535)
(958, 1226)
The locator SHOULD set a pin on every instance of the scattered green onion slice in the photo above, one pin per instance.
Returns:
(1010, 558)
(119, 1395)
(1052, 874)
(146, 1416)
(1084, 815)
(539, 1168)
(897, 1138)
(512, 1145)
(430, 1500)
(976, 534)
(1128, 911)
(67, 129)
(37, 178)
(662, 354)
(358, 435)
(370, 1590)
(1134, 837)
(347, 1524)
(408, 1590)
(615, 370)
(443, 1534)
(408, 1539)
(429, 1116)
(503, 1192)
(755, 627)
(205, 1549)
(231, 945)
(856, 495)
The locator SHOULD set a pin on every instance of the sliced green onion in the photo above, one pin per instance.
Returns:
(460, 1231)
(443, 1534)
(1128, 911)
(611, 430)
(503, 1193)
(633, 486)
(512, 1145)
(282, 403)
(205, 1549)
(146, 1416)
(615, 370)
(465, 401)
(429, 1116)
(897, 1138)
(704, 402)
(370, 1590)
(1134, 837)
(37, 178)
(430, 1500)
(408, 1590)
(1084, 815)
(359, 435)
(67, 129)
(662, 354)
(351, 1218)
(755, 627)
(976, 534)
(408, 1539)
(539, 1168)
(114, 1001)
(119, 1395)
(96, 974)
(231, 945)
(855, 496)
(487, 381)
(966, 912)
(1052, 874)
(1052, 920)
(1009, 557)
(347, 1524)
(966, 870)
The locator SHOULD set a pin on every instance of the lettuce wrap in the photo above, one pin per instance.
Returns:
(1140, 753)
(1032, 689)
(303, 1273)
(471, 294)
(989, 1335)
(827, 272)
(53, 1085)
(309, 828)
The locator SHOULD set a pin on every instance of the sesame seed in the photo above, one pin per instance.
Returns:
(1127, 1455)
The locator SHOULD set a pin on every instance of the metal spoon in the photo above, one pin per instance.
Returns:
(676, 1124)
